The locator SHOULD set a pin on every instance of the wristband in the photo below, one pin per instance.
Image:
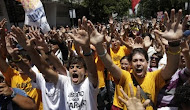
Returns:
(174, 44)
(88, 54)
(174, 53)
(105, 52)
(17, 61)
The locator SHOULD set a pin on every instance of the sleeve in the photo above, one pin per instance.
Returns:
(20, 92)
(62, 79)
(39, 81)
(123, 78)
(9, 74)
(159, 81)
(184, 74)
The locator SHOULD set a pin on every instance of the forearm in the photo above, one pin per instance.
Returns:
(64, 50)
(173, 57)
(42, 65)
(91, 67)
(58, 65)
(3, 65)
(24, 102)
(108, 63)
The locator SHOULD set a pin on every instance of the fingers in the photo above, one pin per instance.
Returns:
(172, 16)
(124, 94)
(158, 32)
(79, 24)
(138, 92)
(146, 102)
(179, 17)
(166, 18)
(123, 100)
(185, 22)
(131, 90)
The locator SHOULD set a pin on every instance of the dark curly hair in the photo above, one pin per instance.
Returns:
(182, 95)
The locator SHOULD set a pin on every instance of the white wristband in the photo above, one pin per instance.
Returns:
(105, 52)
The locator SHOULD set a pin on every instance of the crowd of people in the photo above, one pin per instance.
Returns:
(128, 65)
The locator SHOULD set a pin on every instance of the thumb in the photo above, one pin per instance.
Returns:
(158, 32)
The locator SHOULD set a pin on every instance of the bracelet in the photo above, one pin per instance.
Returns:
(17, 61)
(105, 52)
(174, 53)
(88, 54)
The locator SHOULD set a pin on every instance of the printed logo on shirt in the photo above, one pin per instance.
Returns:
(25, 86)
(76, 100)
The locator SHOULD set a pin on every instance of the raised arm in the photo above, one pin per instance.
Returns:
(97, 39)
(82, 38)
(173, 34)
(46, 49)
(28, 45)
(18, 59)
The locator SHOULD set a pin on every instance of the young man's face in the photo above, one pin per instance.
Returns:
(139, 65)
(125, 64)
(77, 73)
(115, 44)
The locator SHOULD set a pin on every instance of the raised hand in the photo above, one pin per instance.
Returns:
(133, 102)
(95, 37)
(147, 42)
(10, 48)
(81, 36)
(22, 39)
(138, 43)
(39, 40)
(174, 30)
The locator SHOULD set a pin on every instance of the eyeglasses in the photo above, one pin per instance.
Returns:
(154, 58)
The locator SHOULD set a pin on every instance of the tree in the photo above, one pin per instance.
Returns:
(100, 10)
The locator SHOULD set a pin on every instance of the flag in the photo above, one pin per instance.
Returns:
(35, 14)
(134, 4)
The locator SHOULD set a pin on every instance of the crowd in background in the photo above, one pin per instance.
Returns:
(131, 64)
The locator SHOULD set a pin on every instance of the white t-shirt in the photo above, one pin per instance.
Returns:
(52, 96)
(80, 97)
(67, 96)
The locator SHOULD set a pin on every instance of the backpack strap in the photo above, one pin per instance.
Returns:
(143, 94)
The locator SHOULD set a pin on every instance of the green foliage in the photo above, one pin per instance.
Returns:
(100, 10)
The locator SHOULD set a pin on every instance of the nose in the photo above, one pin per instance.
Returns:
(138, 63)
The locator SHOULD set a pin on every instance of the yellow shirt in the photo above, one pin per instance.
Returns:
(117, 55)
(151, 84)
(16, 80)
(100, 71)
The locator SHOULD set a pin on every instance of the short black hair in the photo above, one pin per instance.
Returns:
(76, 60)
(159, 55)
(140, 51)
(182, 95)
(124, 57)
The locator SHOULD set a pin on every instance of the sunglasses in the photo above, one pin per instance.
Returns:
(154, 58)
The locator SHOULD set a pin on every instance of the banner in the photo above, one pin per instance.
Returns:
(35, 14)
(134, 4)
